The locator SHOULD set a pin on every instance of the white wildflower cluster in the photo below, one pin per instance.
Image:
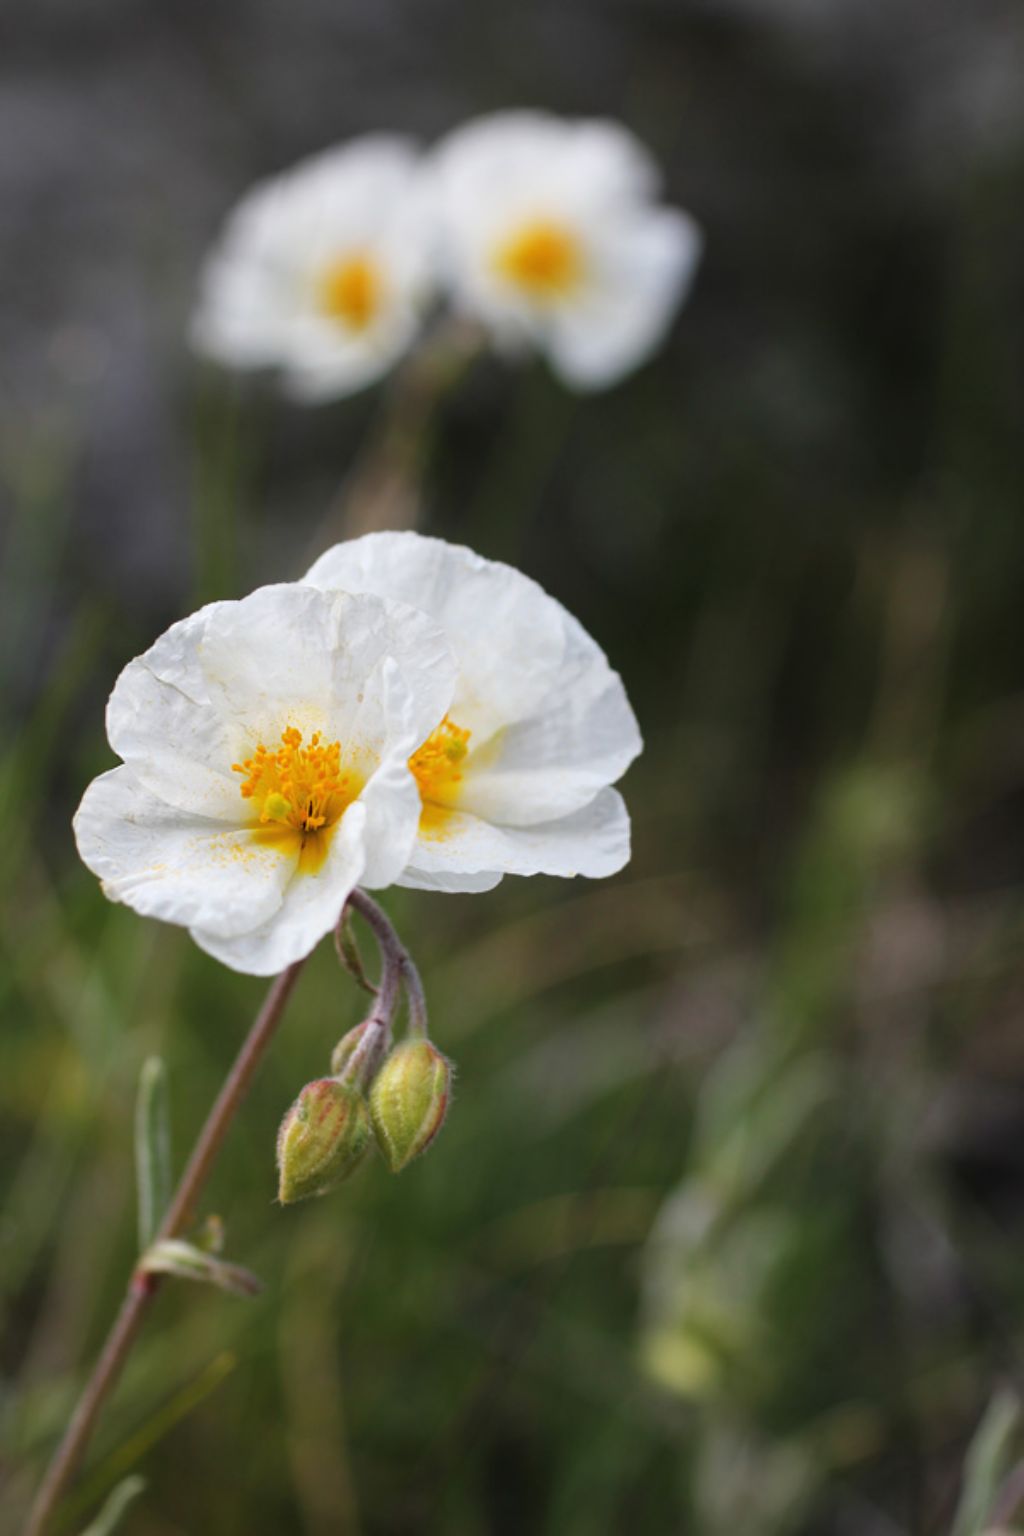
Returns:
(409, 713)
(544, 233)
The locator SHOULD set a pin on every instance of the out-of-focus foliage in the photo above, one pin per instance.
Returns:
(114, 1507)
(723, 1231)
(990, 1457)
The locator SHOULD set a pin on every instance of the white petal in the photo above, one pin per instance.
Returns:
(311, 907)
(258, 301)
(391, 798)
(593, 842)
(163, 719)
(455, 882)
(550, 721)
(233, 674)
(166, 864)
(646, 272)
(595, 181)
(317, 369)
(513, 164)
(170, 833)
(278, 650)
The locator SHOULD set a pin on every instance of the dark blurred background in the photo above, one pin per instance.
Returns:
(724, 1233)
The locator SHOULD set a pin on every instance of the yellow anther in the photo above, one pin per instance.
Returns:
(350, 290)
(296, 786)
(543, 258)
(436, 766)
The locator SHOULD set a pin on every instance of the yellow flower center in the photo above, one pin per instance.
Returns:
(543, 258)
(351, 290)
(303, 789)
(437, 766)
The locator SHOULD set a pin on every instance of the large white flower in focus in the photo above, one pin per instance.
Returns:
(551, 236)
(265, 748)
(324, 271)
(514, 776)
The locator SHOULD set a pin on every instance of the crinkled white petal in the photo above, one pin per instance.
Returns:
(162, 719)
(550, 721)
(391, 798)
(169, 832)
(593, 842)
(167, 864)
(311, 906)
(238, 673)
(259, 300)
(274, 650)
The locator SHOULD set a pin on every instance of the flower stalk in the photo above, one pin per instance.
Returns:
(146, 1280)
(397, 968)
(144, 1284)
(359, 1065)
(382, 489)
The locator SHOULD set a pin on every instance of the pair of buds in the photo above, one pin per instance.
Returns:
(330, 1128)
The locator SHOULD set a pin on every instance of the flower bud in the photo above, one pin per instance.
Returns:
(345, 1047)
(409, 1100)
(323, 1138)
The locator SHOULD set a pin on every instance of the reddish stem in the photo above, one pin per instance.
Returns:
(142, 1287)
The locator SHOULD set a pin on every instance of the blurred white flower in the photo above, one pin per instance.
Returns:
(265, 748)
(551, 237)
(324, 271)
(514, 776)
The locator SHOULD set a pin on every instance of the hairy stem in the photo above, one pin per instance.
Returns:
(143, 1286)
(397, 967)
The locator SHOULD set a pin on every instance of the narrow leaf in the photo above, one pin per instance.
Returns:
(118, 1501)
(187, 1262)
(1004, 1516)
(989, 1458)
(152, 1148)
(152, 1431)
(349, 955)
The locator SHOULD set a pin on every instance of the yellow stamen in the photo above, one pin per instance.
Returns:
(437, 766)
(543, 258)
(350, 290)
(299, 788)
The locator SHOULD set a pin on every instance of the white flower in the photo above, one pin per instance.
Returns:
(551, 237)
(265, 748)
(324, 271)
(514, 777)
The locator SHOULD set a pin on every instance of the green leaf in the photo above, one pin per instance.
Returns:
(109, 1516)
(152, 1148)
(187, 1262)
(349, 954)
(990, 1456)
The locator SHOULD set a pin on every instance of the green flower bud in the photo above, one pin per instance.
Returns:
(344, 1049)
(323, 1138)
(409, 1100)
